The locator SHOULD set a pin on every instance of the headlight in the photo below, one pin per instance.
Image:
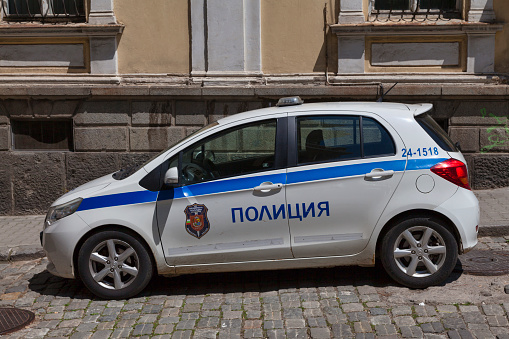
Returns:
(61, 211)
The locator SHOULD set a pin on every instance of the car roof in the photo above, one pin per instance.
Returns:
(381, 108)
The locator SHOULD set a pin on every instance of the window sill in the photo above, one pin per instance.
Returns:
(396, 28)
(18, 29)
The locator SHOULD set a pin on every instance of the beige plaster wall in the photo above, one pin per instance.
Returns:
(156, 36)
(502, 39)
(292, 36)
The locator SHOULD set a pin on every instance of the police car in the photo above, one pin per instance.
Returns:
(292, 186)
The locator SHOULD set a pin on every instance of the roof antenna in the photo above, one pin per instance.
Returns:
(382, 91)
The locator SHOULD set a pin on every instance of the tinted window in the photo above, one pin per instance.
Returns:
(247, 149)
(328, 138)
(436, 132)
(376, 140)
(335, 138)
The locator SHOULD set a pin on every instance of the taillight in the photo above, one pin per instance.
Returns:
(454, 171)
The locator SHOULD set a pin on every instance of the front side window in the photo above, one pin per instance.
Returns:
(241, 150)
(336, 138)
(42, 9)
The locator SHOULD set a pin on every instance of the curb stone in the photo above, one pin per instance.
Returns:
(21, 253)
(29, 252)
(493, 231)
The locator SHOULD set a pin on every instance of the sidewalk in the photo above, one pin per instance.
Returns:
(19, 235)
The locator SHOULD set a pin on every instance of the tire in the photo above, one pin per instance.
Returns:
(406, 252)
(118, 275)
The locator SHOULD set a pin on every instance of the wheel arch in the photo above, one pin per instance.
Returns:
(418, 213)
(111, 227)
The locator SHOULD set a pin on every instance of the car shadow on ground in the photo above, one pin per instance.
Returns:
(45, 283)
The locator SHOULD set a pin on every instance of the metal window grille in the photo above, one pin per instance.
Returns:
(413, 10)
(42, 135)
(28, 10)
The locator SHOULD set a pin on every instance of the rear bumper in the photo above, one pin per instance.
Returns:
(463, 210)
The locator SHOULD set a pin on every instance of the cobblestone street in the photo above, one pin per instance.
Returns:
(319, 303)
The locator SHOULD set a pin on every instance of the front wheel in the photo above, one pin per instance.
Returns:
(114, 265)
(419, 252)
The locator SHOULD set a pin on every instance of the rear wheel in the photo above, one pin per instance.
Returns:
(419, 252)
(114, 265)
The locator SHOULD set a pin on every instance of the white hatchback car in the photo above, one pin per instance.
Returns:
(292, 186)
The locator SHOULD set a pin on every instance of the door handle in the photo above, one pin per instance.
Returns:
(267, 186)
(379, 174)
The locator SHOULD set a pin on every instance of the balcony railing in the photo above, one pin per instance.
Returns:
(415, 10)
(44, 10)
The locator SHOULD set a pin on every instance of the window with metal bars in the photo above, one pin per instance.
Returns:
(42, 135)
(73, 10)
(448, 9)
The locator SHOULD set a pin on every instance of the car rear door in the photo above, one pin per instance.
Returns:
(343, 171)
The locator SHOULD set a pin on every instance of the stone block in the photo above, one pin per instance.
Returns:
(130, 160)
(4, 138)
(17, 107)
(467, 137)
(221, 109)
(37, 179)
(490, 171)
(83, 167)
(148, 139)
(46, 90)
(176, 91)
(473, 90)
(5, 184)
(122, 90)
(151, 113)
(41, 107)
(100, 139)
(228, 91)
(64, 108)
(4, 120)
(480, 113)
(103, 113)
(190, 113)
(494, 139)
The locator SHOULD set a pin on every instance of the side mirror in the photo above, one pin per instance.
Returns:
(171, 177)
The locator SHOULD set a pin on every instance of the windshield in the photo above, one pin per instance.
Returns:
(127, 171)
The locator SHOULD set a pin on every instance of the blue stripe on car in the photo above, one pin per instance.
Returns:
(230, 185)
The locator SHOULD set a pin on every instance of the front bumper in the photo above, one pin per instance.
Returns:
(59, 241)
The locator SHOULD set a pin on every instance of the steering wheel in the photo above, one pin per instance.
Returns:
(193, 173)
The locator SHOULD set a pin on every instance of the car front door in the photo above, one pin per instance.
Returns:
(344, 172)
(222, 211)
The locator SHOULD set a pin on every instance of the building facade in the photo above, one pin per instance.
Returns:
(89, 87)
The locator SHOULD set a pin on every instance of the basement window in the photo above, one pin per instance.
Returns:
(40, 135)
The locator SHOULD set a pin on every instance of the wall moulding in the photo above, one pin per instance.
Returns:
(416, 54)
(44, 55)
(59, 30)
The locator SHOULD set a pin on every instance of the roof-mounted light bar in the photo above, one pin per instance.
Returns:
(289, 101)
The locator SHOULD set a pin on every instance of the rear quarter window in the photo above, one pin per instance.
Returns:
(436, 132)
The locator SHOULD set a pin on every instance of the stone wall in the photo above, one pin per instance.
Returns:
(110, 134)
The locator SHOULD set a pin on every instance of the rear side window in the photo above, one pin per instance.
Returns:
(436, 132)
(377, 141)
(336, 138)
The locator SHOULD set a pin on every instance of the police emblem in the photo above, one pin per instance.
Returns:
(197, 223)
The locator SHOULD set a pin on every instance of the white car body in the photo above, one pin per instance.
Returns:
(320, 214)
